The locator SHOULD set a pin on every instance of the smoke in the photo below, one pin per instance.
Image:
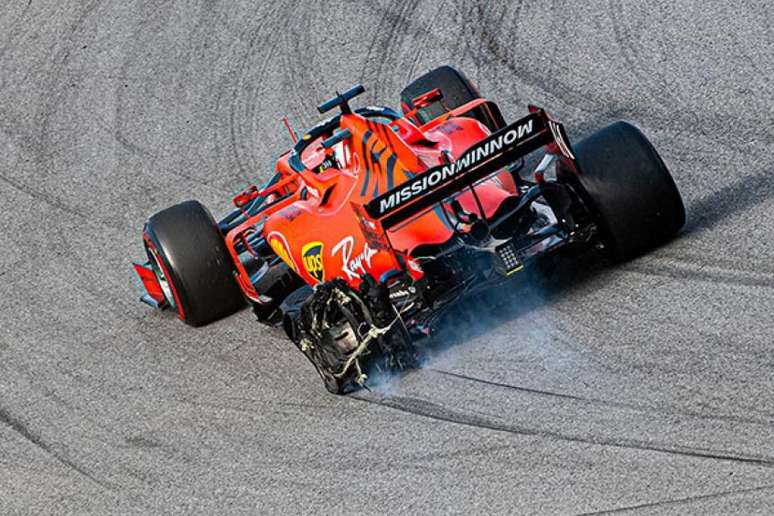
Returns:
(510, 320)
(386, 383)
(481, 315)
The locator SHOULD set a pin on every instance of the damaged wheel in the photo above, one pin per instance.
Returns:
(350, 335)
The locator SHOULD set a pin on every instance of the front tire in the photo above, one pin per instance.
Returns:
(628, 190)
(189, 256)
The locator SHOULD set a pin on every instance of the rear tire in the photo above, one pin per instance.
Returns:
(188, 253)
(628, 189)
(456, 90)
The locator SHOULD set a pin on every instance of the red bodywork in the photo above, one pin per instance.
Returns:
(315, 221)
(154, 296)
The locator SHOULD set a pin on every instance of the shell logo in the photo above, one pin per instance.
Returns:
(279, 245)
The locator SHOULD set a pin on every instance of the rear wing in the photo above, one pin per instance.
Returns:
(481, 160)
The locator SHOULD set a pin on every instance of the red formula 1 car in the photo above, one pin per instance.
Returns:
(375, 221)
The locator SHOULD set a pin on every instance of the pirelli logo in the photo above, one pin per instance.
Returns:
(504, 140)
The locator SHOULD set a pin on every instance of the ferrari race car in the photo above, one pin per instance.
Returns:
(375, 222)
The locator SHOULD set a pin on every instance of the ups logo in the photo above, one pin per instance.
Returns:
(312, 256)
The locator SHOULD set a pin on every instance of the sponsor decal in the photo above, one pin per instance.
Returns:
(433, 177)
(279, 245)
(557, 132)
(413, 265)
(356, 266)
(328, 162)
(290, 213)
(449, 127)
(312, 258)
(401, 292)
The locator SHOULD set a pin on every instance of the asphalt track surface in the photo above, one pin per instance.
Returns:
(643, 387)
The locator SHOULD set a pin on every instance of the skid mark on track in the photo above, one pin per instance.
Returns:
(680, 270)
(732, 198)
(131, 147)
(643, 408)
(297, 41)
(460, 453)
(506, 386)
(395, 26)
(46, 198)
(631, 56)
(679, 501)
(635, 60)
(428, 409)
(22, 429)
(240, 143)
(57, 75)
(18, 28)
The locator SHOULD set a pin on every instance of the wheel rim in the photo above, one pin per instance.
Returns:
(158, 270)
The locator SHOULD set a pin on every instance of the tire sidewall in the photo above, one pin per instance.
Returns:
(200, 271)
(628, 190)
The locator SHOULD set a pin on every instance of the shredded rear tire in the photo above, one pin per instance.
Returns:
(349, 335)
